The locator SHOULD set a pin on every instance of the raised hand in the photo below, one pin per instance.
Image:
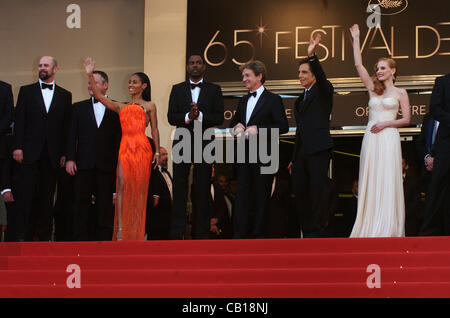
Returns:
(89, 65)
(354, 30)
(313, 43)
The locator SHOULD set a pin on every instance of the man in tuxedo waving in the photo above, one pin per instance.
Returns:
(258, 109)
(313, 144)
(92, 152)
(41, 121)
(193, 100)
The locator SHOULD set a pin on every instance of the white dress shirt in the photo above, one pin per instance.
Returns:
(99, 111)
(251, 103)
(47, 94)
(195, 93)
(168, 181)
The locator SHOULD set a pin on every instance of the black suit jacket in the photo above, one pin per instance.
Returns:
(159, 187)
(209, 102)
(6, 116)
(313, 114)
(268, 113)
(34, 126)
(7, 167)
(425, 147)
(440, 110)
(423, 144)
(91, 146)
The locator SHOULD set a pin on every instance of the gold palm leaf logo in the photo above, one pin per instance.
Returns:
(389, 7)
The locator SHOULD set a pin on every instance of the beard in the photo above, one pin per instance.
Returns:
(43, 75)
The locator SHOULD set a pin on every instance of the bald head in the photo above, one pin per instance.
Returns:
(47, 68)
(163, 157)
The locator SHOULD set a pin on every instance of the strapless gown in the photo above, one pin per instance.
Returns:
(135, 157)
(381, 205)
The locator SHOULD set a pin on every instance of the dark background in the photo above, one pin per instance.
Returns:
(206, 17)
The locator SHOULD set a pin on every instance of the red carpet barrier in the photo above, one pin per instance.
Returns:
(289, 268)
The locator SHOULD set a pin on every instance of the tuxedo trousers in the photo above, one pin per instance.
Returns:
(94, 220)
(311, 189)
(437, 208)
(252, 201)
(180, 189)
(35, 183)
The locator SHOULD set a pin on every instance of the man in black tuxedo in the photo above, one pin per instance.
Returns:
(194, 100)
(161, 200)
(92, 151)
(437, 211)
(40, 131)
(8, 173)
(6, 117)
(313, 144)
(258, 109)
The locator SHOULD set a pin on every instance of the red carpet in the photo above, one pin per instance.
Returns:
(290, 268)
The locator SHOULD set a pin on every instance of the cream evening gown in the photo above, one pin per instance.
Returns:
(381, 206)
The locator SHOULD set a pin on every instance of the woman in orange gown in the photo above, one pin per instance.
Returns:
(135, 154)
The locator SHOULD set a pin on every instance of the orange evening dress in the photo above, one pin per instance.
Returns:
(135, 157)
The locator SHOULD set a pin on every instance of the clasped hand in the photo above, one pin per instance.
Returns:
(194, 112)
(376, 128)
(250, 130)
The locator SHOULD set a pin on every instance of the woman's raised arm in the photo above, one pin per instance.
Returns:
(89, 66)
(363, 74)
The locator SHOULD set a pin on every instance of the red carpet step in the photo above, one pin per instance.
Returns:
(283, 268)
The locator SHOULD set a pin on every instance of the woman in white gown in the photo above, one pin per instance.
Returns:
(381, 205)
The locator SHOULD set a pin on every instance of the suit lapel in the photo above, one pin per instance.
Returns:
(243, 110)
(40, 98)
(259, 105)
(201, 96)
(188, 94)
(91, 113)
(310, 96)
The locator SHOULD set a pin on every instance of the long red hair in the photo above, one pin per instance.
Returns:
(378, 85)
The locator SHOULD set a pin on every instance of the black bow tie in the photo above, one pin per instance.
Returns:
(193, 86)
(94, 101)
(44, 86)
(163, 169)
(252, 94)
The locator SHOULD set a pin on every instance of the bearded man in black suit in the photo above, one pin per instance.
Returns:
(40, 130)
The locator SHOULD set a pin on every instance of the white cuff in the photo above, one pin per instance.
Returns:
(186, 119)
